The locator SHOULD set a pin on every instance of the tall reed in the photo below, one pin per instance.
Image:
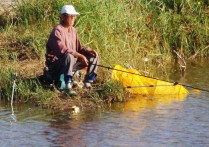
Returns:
(121, 29)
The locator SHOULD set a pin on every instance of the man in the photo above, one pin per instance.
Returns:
(64, 53)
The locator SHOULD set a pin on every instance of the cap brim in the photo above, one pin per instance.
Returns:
(74, 13)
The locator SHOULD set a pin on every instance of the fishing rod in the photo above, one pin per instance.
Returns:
(150, 86)
(174, 83)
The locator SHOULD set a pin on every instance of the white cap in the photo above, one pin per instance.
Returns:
(69, 9)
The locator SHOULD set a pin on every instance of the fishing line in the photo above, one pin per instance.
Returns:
(174, 83)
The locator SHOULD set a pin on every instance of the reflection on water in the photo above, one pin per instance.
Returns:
(70, 132)
(141, 121)
(140, 102)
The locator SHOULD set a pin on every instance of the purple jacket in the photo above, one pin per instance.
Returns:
(61, 42)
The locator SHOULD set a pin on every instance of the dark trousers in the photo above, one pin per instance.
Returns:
(68, 65)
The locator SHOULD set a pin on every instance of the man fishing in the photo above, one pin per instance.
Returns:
(64, 53)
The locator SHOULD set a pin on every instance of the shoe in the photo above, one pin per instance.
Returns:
(68, 89)
(90, 78)
(87, 85)
(69, 85)
(71, 92)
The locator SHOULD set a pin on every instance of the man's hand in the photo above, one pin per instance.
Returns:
(83, 59)
(92, 53)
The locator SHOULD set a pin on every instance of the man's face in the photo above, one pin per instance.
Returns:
(68, 19)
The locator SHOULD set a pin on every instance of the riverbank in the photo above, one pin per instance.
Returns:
(146, 36)
(29, 88)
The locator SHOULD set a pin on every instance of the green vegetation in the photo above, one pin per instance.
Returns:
(122, 31)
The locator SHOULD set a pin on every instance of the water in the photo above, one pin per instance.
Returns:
(142, 121)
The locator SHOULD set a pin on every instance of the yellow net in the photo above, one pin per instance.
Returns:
(144, 85)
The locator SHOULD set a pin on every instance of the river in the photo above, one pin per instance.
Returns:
(161, 121)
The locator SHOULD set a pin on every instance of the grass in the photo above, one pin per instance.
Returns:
(122, 32)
